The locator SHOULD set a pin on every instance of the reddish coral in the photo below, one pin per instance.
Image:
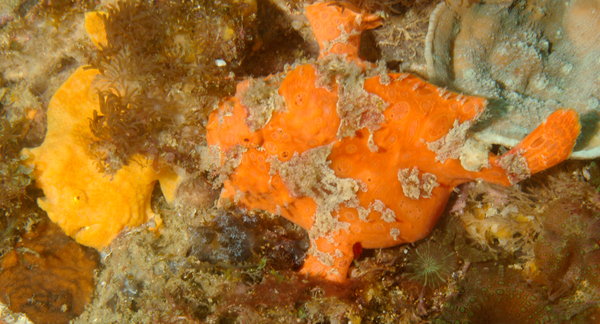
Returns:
(358, 159)
(47, 275)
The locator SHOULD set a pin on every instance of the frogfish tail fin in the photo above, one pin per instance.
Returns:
(549, 144)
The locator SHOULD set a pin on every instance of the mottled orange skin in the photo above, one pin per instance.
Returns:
(90, 206)
(416, 115)
(327, 20)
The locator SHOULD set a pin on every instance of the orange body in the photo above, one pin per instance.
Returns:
(89, 206)
(404, 184)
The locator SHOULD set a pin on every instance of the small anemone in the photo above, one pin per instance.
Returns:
(430, 264)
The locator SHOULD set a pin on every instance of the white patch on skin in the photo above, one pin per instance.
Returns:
(410, 182)
(363, 213)
(450, 146)
(378, 205)
(333, 271)
(232, 160)
(474, 155)
(309, 175)
(414, 188)
(338, 254)
(352, 203)
(226, 112)
(325, 225)
(261, 99)
(428, 183)
(371, 144)
(387, 215)
(515, 166)
(356, 107)
(343, 38)
(325, 258)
